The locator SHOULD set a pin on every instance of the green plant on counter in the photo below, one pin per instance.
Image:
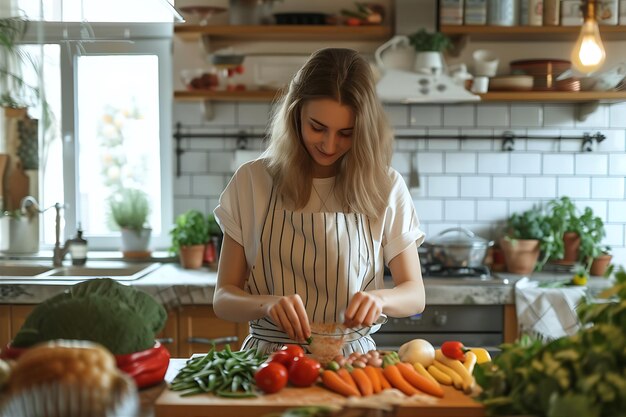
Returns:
(423, 41)
(532, 224)
(190, 228)
(130, 208)
(564, 217)
(214, 228)
(578, 375)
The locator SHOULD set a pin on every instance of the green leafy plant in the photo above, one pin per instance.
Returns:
(579, 375)
(190, 228)
(423, 41)
(214, 228)
(532, 224)
(130, 208)
(565, 217)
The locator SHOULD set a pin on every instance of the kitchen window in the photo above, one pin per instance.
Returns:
(109, 88)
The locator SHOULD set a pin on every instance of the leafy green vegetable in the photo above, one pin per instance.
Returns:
(584, 374)
(121, 318)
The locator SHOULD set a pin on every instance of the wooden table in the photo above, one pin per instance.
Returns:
(171, 404)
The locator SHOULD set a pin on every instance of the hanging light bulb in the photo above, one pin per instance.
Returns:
(588, 54)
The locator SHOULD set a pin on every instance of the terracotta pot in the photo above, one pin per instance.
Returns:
(520, 255)
(571, 242)
(600, 264)
(191, 256)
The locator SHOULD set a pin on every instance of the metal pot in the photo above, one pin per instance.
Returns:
(462, 249)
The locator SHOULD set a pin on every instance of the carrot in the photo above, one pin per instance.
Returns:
(397, 380)
(333, 382)
(345, 375)
(373, 376)
(384, 384)
(418, 381)
(362, 381)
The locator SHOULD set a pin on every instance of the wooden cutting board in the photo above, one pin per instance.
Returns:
(16, 185)
(171, 404)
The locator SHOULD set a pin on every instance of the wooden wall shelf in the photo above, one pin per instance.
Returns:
(285, 32)
(244, 96)
(529, 33)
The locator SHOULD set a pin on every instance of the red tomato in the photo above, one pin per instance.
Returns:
(271, 377)
(286, 354)
(454, 350)
(304, 371)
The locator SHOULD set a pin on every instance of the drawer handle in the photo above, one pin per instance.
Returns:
(216, 341)
(165, 340)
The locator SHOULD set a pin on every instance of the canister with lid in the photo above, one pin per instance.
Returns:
(502, 12)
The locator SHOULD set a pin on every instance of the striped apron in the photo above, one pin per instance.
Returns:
(324, 257)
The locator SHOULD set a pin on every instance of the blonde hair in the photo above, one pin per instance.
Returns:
(362, 183)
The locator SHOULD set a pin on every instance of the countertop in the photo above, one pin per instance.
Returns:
(172, 285)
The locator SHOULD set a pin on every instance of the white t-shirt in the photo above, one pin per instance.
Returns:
(244, 204)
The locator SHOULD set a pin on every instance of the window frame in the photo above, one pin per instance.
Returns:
(93, 39)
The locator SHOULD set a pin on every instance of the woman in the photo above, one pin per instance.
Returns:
(309, 226)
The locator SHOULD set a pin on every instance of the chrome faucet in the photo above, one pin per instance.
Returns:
(59, 252)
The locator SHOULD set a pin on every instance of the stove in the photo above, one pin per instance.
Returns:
(473, 324)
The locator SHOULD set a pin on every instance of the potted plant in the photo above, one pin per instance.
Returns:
(601, 260)
(527, 236)
(429, 48)
(563, 218)
(189, 236)
(214, 244)
(129, 209)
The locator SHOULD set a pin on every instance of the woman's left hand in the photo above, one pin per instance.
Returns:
(363, 310)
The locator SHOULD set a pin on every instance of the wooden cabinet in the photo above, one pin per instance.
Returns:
(169, 335)
(198, 327)
(5, 325)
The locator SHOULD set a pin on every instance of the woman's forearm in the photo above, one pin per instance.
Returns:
(234, 304)
(405, 299)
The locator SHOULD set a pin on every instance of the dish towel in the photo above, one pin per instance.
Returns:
(548, 313)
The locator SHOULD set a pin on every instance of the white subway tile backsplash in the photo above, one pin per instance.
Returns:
(492, 116)
(570, 145)
(182, 205)
(607, 187)
(520, 206)
(435, 228)
(430, 162)
(462, 115)
(182, 185)
(476, 144)
(617, 211)
(615, 140)
(475, 186)
(525, 163)
(426, 115)
(574, 187)
(558, 164)
(429, 210)
(558, 115)
(616, 115)
(539, 145)
(253, 114)
(207, 185)
(443, 186)
(493, 163)
(599, 207)
(614, 235)
(194, 162)
(617, 164)
(397, 114)
(597, 119)
(401, 161)
(222, 162)
(508, 187)
(460, 210)
(460, 163)
(409, 144)
(491, 210)
(591, 164)
(448, 139)
(526, 115)
(540, 187)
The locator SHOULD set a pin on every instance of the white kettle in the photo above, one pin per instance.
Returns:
(396, 53)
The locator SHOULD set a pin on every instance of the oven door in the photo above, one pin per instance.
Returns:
(473, 325)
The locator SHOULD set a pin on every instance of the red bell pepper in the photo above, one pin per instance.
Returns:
(146, 367)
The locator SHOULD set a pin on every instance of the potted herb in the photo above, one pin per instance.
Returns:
(129, 209)
(563, 215)
(189, 236)
(601, 261)
(527, 236)
(214, 244)
(429, 48)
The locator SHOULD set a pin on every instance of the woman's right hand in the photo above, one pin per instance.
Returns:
(288, 312)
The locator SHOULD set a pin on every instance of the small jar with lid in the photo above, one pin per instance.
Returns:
(78, 248)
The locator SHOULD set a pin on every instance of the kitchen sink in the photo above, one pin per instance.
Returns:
(21, 270)
(120, 271)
